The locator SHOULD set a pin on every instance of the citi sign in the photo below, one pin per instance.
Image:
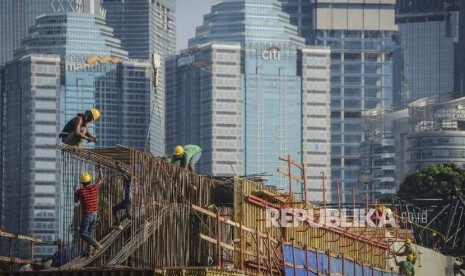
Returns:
(272, 53)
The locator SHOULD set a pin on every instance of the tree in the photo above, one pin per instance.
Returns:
(434, 180)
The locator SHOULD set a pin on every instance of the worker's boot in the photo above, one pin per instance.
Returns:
(88, 252)
(96, 245)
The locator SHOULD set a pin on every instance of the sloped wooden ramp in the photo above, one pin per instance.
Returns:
(82, 261)
(141, 237)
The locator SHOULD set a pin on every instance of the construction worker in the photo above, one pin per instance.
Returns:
(77, 128)
(124, 204)
(408, 250)
(186, 156)
(87, 195)
(406, 268)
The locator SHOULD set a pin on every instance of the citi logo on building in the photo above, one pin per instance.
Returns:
(102, 60)
(272, 53)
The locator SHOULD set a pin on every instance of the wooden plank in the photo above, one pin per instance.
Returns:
(23, 237)
(230, 222)
(295, 177)
(286, 158)
(81, 260)
(17, 260)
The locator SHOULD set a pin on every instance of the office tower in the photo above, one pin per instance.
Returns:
(16, 18)
(432, 38)
(432, 44)
(144, 28)
(362, 40)
(431, 132)
(248, 92)
(377, 152)
(69, 62)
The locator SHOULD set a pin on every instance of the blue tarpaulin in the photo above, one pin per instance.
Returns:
(298, 260)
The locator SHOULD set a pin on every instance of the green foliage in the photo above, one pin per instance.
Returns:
(434, 180)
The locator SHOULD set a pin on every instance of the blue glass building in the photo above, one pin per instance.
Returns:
(15, 19)
(432, 43)
(249, 92)
(68, 63)
(362, 41)
(147, 28)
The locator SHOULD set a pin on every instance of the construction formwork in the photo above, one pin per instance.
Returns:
(361, 244)
(184, 224)
(159, 233)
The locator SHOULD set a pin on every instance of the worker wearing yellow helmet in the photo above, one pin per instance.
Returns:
(186, 156)
(77, 129)
(406, 268)
(408, 250)
(88, 196)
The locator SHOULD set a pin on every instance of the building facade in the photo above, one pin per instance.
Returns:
(15, 19)
(248, 92)
(69, 62)
(431, 43)
(147, 30)
(378, 154)
(362, 41)
(437, 133)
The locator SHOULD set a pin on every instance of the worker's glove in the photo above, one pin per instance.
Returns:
(93, 139)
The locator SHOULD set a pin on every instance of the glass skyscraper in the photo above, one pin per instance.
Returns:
(16, 16)
(147, 27)
(68, 63)
(362, 41)
(15, 19)
(248, 91)
(432, 50)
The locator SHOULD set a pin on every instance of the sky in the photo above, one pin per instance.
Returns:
(189, 14)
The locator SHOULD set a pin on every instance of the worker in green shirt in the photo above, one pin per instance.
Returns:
(406, 268)
(186, 156)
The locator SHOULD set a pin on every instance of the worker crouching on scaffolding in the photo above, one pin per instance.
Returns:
(77, 128)
(124, 204)
(87, 195)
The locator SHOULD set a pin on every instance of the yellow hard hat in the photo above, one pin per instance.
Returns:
(409, 257)
(85, 178)
(408, 241)
(95, 114)
(178, 150)
(388, 211)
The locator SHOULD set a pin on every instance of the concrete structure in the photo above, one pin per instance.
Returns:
(437, 133)
(249, 92)
(69, 63)
(429, 133)
(429, 262)
(361, 37)
(147, 28)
